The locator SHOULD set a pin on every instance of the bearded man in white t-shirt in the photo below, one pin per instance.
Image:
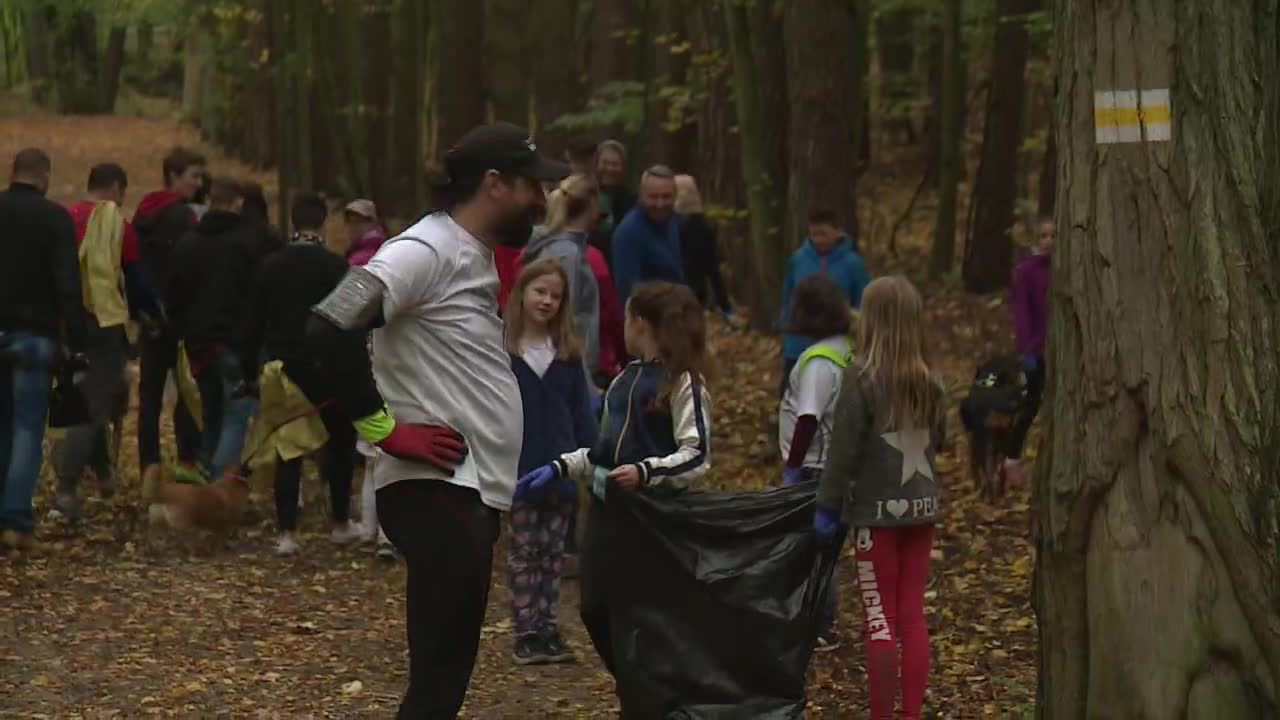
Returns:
(440, 399)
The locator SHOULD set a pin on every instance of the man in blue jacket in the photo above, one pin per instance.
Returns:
(832, 252)
(646, 244)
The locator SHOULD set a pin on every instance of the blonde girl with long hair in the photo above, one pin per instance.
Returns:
(880, 479)
(573, 211)
(546, 358)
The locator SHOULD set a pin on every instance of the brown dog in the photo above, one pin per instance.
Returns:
(217, 507)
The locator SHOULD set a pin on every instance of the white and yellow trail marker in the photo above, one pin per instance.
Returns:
(1130, 116)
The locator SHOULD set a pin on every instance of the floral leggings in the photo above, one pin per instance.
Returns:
(538, 532)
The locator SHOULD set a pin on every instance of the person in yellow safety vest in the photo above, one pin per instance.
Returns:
(112, 281)
(820, 314)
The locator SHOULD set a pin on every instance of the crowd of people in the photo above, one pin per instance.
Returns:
(541, 335)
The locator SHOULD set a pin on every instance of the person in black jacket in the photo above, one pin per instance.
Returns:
(162, 218)
(210, 275)
(40, 302)
(287, 284)
(700, 250)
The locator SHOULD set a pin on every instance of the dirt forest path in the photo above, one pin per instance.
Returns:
(115, 619)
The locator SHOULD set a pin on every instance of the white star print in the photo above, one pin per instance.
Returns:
(912, 444)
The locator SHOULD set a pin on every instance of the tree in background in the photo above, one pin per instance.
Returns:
(950, 139)
(819, 33)
(988, 254)
(1157, 587)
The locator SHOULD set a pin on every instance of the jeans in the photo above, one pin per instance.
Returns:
(336, 466)
(86, 445)
(226, 418)
(159, 357)
(28, 360)
(446, 535)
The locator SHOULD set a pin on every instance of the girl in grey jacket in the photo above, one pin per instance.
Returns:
(881, 480)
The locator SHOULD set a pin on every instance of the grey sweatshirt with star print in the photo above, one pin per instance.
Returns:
(879, 474)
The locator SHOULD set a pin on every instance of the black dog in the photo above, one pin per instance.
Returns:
(994, 402)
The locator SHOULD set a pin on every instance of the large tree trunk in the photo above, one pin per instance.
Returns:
(459, 69)
(1156, 505)
(556, 83)
(819, 34)
(988, 253)
(75, 43)
(753, 136)
(950, 136)
(507, 43)
(112, 64)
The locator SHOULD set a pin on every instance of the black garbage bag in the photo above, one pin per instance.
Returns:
(716, 600)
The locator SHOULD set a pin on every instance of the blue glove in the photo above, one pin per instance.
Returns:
(567, 490)
(534, 482)
(792, 476)
(1030, 363)
(826, 523)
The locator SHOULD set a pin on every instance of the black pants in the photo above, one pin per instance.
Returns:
(1030, 408)
(159, 357)
(446, 536)
(593, 578)
(337, 464)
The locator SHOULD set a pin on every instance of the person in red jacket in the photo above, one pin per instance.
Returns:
(107, 346)
(163, 217)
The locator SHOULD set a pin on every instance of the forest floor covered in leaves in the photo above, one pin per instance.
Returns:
(116, 619)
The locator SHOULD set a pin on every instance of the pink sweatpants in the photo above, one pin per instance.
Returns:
(892, 566)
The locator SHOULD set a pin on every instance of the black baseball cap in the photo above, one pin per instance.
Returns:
(505, 148)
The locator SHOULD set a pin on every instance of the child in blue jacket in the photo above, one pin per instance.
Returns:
(546, 357)
(655, 435)
(827, 251)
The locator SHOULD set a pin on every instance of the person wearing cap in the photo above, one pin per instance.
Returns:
(364, 233)
(439, 397)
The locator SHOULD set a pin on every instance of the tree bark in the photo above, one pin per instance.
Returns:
(112, 64)
(988, 256)
(557, 84)
(75, 46)
(1156, 503)
(950, 138)
(762, 208)
(819, 34)
(507, 45)
(459, 69)
(39, 23)
(408, 149)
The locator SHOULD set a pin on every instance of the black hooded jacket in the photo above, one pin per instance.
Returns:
(39, 267)
(211, 275)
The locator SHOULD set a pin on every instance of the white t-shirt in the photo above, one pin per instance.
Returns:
(440, 358)
(538, 356)
(811, 390)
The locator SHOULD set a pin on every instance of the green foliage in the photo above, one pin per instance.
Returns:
(616, 104)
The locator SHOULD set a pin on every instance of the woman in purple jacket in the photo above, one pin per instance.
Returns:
(364, 231)
(1030, 325)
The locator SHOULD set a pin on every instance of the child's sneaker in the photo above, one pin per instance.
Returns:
(386, 551)
(530, 650)
(346, 533)
(287, 545)
(189, 474)
(556, 649)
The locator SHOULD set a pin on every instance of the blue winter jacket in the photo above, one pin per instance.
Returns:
(644, 251)
(670, 442)
(843, 265)
(557, 412)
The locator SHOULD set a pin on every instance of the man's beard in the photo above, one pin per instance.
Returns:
(516, 230)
